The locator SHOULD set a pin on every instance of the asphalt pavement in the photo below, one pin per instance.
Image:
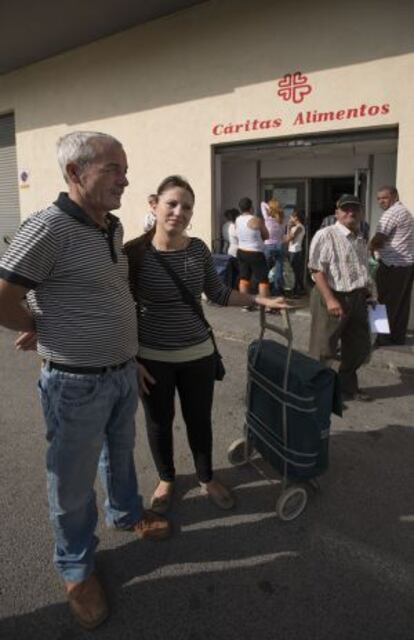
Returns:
(344, 570)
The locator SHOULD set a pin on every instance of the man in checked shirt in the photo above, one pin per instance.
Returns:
(338, 260)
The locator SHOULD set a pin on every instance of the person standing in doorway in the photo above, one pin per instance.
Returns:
(230, 242)
(394, 244)
(251, 232)
(363, 225)
(338, 259)
(149, 219)
(68, 262)
(273, 217)
(294, 238)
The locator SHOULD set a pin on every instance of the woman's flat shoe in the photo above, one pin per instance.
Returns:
(224, 500)
(161, 504)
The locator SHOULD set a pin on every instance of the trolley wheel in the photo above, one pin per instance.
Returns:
(236, 453)
(291, 503)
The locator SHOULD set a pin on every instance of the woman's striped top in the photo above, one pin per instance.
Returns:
(165, 322)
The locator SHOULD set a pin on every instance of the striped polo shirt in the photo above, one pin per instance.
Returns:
(397, 223)
(341, 256)
(165, 322)
(77, 276)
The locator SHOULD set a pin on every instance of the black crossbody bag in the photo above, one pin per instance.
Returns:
(191, 300)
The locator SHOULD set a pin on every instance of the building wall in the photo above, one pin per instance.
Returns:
(239, 179)
(383, 168)
(168, 89)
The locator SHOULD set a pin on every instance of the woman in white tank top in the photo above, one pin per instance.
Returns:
(252, 233)
(249, 239)
(296, 233)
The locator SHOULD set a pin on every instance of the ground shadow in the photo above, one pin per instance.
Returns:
(402, 389)
(342, 570)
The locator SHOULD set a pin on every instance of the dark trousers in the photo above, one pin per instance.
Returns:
(252, 266)
(394, 286)
(296, 262)
(194, 382)
(352, 329)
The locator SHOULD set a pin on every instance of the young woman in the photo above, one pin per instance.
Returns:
(228, 233)
(294, 238)
(175, 349)
(273, 217)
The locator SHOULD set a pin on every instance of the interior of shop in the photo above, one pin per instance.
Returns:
(307, 173)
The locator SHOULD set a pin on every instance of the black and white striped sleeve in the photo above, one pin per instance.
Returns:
(31, 256)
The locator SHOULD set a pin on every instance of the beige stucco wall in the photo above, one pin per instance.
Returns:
(161, 87)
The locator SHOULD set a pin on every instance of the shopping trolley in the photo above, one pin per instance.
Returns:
(290, 398)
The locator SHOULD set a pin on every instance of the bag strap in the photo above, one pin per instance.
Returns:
(187, 296)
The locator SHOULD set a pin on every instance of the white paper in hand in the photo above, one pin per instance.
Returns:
(378, 319)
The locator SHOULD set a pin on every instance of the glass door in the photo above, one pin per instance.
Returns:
(290, 194)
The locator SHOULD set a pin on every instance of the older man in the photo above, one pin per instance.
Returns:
(67, 260)
(394, 243)
(338, 259)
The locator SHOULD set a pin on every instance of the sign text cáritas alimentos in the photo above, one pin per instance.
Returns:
(301, 118)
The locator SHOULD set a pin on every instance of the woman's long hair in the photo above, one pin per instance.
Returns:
(276, 211)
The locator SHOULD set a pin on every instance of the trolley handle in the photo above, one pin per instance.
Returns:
(286, 331)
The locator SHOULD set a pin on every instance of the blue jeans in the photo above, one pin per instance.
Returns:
(90, 419)
(274, 257)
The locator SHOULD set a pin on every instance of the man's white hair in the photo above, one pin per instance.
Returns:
(79, 147)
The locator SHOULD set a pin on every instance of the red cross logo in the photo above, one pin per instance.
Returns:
(294, 86)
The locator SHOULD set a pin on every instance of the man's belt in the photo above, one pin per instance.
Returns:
(84, 370)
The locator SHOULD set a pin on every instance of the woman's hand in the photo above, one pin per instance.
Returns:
(273, 303)
(144, 379)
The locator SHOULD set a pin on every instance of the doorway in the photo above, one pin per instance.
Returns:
(291, 194)
(308, 172)
(324, 193)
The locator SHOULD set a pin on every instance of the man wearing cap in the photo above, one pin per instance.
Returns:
(394, 244)
(67, 261)
(338, 260)
(363, 225)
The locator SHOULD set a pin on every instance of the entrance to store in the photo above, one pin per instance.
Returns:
(309, 173)
(316, 197)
